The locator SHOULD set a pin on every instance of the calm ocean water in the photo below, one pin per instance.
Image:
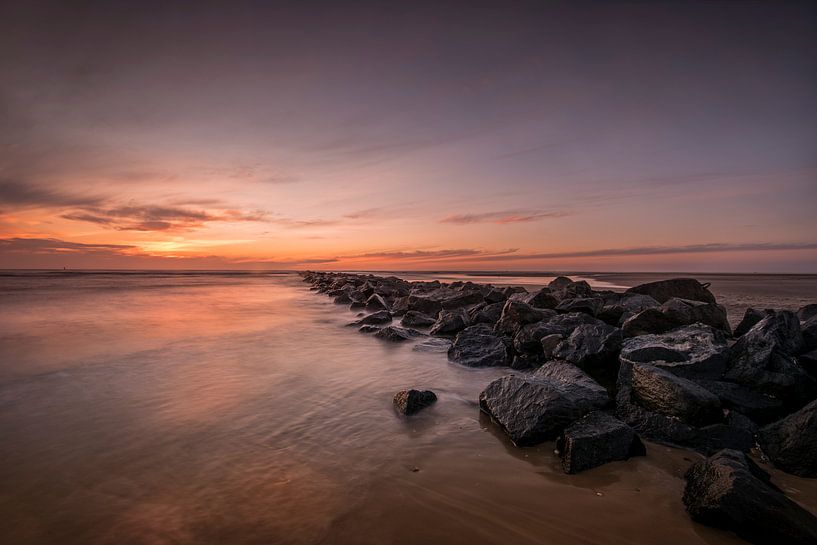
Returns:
(159, 408)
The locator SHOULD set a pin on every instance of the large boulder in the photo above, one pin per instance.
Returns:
(761, 408)
(687, 311)
(450, 322)
(376, 302)
(807, 312)
(660, 391)
(649, 321)
(528, 339)
(809, 331)
(791, 443)
(731, 492)
(410, 402)
(683, 288)
(596, 439)
(590, 345)
(376, 318)
(397, 334)
(542, 299)
(574, 381)
(536, 408)
(750, 318)
(462, 299)
(671, 410)
(763, 359)
(694, 351)
(569, 289)
(478, 346)
(412, 318)
(588, 305)
(624, 307)
(516, 314)
(485, 314)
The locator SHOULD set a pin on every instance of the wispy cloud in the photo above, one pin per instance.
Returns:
(159, 218)
(505, 216)
(27, 195)
(56, 246)
(426, 255)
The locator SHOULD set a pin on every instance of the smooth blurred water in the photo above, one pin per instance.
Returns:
(162, 408)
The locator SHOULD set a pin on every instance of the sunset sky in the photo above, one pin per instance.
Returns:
(640, 136)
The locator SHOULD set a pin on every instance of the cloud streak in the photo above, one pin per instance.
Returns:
(504, 217)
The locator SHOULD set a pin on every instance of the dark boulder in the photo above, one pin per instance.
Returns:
(376, 302)
(590, 345)
(791, 443)
(750, 318)
(532, 409)
(575, 382)
(588, 305)
(760, 407)
(342, 299)
(573, 290)
(729, 491)
(422, 302)
(495, 295)
(687, 311)
(412, 318)
(560, 282)
(807, 312)
(450, 322)
(477, 346)
(462, 299)
(624, 307)
(595, 440)
(808, 362)
(763, 359)
(399, 306)
(649, 321)
(695, 351)
(485, 314)
(528, 339)
(366, 328)
(809, 331)
(376, 318)
(516, 314)
(683, 288)
(410, 402)
(542, 299)
(660, 391)
(397, 334)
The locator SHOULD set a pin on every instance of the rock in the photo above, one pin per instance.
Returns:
(683, 288)
(485, 314)
(450, 322)
(495, 295)
(342, 299)
(759, 407)
(573, 290)
(400, 306)
(425, 304)
(575, 382)
(695, 351)
(412, 318)
(397, 334)
(432, 344)
(625, 307)
(528, 338)
(809, 331)
(559, 283)
(376, 302)
(463, 299)
(649, 321)
(477, 346)
(590, 345)
(376, 318)
(515, 314)
(542, 299)
(661, 391)
(750, 318)
(808, 362)
(791, 443)
(369, 328)
(731, 492)
(686, 312)
(588, 305)
(595, 440)
(733, 431)
(549, 344)
(410, 402)
(763, 359)
(533, 409)
(807, 312)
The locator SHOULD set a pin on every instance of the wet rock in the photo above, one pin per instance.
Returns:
(588, 305)
(342, 299)
(626, 306)
(542, 299)
(549, 344)
(450, 322)
(686, 312)
(695, 351)
(575, 382)
(807, 312)
(791, 443)
(759, 407)
(376, 302)
(369, 329)
(649, 321)
(528, 338)
(397, 334)
(478, 346)
(573, 290)
(516, 314)
(731, 492)
(595, 440)
(808, 362)
(590, 345)
(661, 391)
(763, 359)
(750, 318)
(734, 431)
(495, 295)
(409, 402)
(809, 331)
(682, 288)
(560, 282)
(376, 318)
(432, 344)
(485, 314)
(532, 409)
(400, 306)
(412, 318)
(463, 299)
(424, 303)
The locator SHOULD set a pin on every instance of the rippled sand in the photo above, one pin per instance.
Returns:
(237, 409)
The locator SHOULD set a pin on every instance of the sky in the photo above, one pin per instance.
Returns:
(558, 136)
